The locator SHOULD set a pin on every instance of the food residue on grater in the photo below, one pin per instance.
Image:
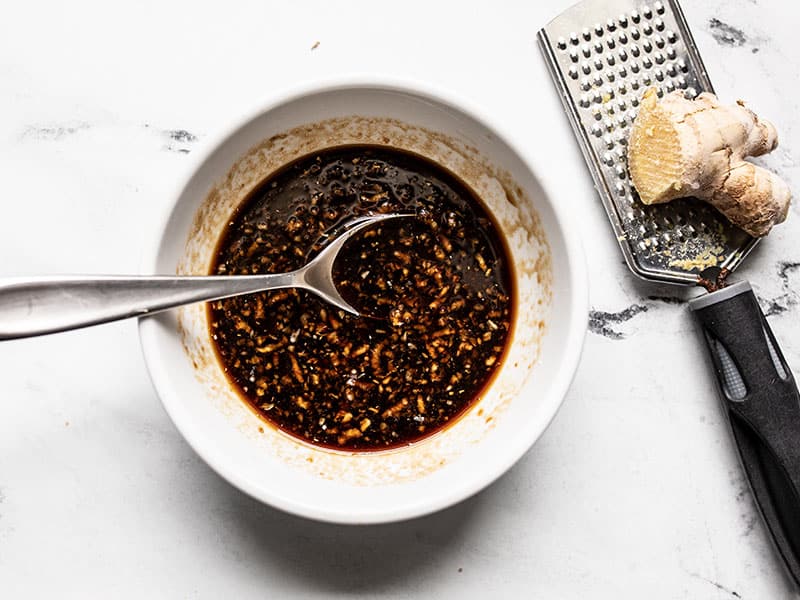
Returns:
(438, 288)
(709, 257)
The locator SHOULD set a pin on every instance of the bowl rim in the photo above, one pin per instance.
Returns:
(576, 328)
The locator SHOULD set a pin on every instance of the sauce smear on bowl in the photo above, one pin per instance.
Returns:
(436, 290)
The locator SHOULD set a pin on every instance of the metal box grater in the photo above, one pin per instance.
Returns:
(603, 55)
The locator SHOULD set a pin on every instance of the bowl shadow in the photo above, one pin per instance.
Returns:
(330, 558)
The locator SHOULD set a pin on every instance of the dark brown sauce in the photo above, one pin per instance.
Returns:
(437, 287)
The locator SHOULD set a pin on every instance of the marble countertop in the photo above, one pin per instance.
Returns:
(633, 492)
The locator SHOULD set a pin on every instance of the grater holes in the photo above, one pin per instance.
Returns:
(658, 41)
(690, 93)
(623, 56)
(609, 142)
(598, 64)
(584, 101)
(671, 70)
(635, 52)
(635, 17)
(622, 20)
(586, 34)
(647, 62)
(635, 35)
(610, 76)
(561, 43)
(659, 75)
(573, 38)
(586, 68)
(670, 87)
(611, 43)
(681, 64)
(598, 29)
(585, 84)
(619, 188)
(659, 8)
(647, 46)
(608, 159)
(611, 61)
(671, 54)
(658, 24)
(597, 80)
(586, 50)
(634, 212)
(646, 79)
(598, 47)
(659, 58)
(620, 171)
(611, 25)
(671, 36)
(622, 38)
(573, 72)
(573, 55)
(646, 12)
(647, 29)
(596, 130)
(682, 83)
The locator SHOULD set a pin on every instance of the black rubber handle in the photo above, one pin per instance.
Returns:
(762, 402)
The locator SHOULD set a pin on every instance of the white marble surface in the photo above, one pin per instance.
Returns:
(633, 492)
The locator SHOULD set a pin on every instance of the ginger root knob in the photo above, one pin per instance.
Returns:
(680, 148)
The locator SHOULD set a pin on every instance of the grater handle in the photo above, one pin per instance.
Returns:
(761, 400)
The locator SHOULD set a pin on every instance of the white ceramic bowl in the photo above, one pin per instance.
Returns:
(457, 461)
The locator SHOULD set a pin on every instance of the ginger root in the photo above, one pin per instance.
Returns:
(680, 148)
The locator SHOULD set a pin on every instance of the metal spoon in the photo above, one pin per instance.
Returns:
(40, 305)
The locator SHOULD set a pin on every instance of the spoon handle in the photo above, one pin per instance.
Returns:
(38, 305)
